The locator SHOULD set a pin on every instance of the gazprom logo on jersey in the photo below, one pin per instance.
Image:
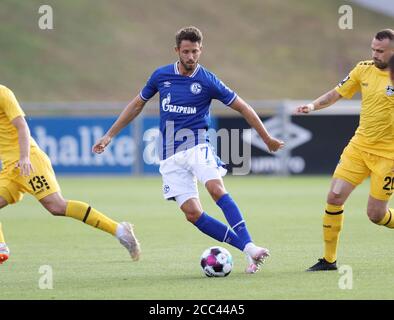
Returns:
(68, 142)
(168, 107)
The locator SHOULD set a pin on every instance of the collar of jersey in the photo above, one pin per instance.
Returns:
(192, 75)
(382, 72)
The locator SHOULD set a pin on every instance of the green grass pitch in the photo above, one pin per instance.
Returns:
(283, 214)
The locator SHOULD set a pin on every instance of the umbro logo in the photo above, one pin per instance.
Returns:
(167, 84)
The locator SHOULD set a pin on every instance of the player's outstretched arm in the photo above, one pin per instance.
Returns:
(23, 163)
(323, 101)
(131, 111)
(254, 121)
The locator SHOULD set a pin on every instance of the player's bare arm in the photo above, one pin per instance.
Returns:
(23, 163)
(322, 102)
(254, 121)
(129, 113)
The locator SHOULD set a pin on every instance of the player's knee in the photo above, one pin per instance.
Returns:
(375, 214)
(7, 198)
(336, 199)
(3, 203)
(56, 208)
(192, 216)
(215, 190)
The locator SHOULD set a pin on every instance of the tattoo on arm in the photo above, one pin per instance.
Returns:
(327, 99)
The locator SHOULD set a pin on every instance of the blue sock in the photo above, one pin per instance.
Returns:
(218, 230)
(234, 218)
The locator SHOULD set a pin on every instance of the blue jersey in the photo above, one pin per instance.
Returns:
(185, 105)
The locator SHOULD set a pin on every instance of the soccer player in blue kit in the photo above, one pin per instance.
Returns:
(186, 89)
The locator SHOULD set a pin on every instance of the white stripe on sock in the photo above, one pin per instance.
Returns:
(236, 225)
(225, 236)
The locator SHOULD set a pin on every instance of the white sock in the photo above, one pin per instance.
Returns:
(250, 249)
(120, 231)
(4, 248)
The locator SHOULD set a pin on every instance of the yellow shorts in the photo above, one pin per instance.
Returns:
(356, 165)
(41, 182)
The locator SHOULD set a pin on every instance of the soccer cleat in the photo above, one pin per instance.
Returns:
(4, 254)
(252, 268)
(258, 259)
(260, 256)
(323, 265)
(129, 241)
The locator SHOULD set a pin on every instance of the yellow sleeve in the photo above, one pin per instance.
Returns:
(9, 104)
(350, 85)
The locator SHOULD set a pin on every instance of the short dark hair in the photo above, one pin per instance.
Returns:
(391, 63)
(190, 33)
(385, 34)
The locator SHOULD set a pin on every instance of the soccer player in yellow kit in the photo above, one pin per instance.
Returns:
(370, 153)
(26, 168)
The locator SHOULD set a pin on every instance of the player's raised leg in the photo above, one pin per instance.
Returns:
(234, 217)
(58, 206)
(333, 223)
(207, 224)
(4, 251)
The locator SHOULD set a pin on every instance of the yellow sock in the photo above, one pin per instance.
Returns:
(332, 226)
(1, 235)
(83, 212)
(388, 220)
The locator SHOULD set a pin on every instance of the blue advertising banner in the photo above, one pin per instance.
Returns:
(150, 146)
(68, 142)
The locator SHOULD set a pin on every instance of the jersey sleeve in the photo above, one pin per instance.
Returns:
(10, 105)
(221, 92)
(150, 88)
(350, 85)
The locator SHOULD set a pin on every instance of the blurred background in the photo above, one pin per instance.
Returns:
(73, 80)
(99, 54)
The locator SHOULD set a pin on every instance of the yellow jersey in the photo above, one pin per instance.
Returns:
(375, 133)
(9, 110)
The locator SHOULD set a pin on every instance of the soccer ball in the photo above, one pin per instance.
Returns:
(216, 262)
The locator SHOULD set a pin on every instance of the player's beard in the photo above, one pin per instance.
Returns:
(380, 64)
(187, 66)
